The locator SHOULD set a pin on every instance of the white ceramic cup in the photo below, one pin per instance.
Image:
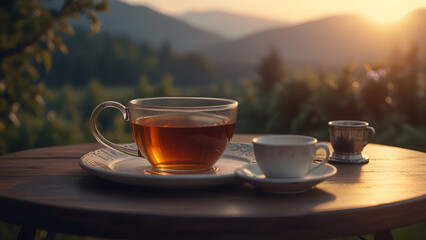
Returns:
(287, 156)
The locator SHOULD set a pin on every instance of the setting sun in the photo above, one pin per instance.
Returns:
(386, 13)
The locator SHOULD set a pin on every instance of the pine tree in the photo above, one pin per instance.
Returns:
(271, 71)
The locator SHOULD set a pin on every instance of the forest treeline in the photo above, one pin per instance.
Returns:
(278, 99)
(391, 96)
(119, 61)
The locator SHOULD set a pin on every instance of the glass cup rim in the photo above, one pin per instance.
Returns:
(224, 105)
(348, 123)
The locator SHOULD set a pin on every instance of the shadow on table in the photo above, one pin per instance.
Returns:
(232, 199)
(83, 191)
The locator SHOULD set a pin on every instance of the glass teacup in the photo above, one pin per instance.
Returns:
(175, 134)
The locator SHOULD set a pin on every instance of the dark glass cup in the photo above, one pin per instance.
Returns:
(348, 138)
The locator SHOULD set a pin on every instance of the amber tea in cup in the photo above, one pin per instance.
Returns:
(176, 135)
(182, 141)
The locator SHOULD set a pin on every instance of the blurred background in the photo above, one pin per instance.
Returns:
(292, 65)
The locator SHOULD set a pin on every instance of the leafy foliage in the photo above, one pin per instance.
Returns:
(390, 96)
(28, 31)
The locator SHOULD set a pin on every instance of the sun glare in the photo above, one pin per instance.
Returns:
(385, 17)
(386, 12)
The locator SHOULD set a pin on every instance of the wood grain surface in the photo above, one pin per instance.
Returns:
(45, 188)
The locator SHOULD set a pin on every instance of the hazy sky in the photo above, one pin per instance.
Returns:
(291, 10)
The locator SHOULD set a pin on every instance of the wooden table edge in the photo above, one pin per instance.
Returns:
(44, 216)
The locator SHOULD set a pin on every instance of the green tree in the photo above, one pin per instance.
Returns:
(166, 87)
(291, 100)
(375, 93)
(29, 31)
(144, 89)
(346, 100)
(404, 76)
(67, 102)
(271, 71)
(94, 94)
(68, 112)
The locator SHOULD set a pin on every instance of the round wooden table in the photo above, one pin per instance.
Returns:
(45, 188)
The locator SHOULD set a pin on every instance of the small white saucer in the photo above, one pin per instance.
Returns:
(118, 167)
(252, 174)
(357, 158)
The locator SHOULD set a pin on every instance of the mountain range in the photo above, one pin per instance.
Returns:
(229, 25)
(141, 23)
(330, 41)
(333, 40)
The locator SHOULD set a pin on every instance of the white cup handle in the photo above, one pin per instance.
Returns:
(327, 157)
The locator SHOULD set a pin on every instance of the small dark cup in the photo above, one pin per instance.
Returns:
(348, 138)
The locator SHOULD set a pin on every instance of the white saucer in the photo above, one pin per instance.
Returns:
(118, 167)
(252, 174)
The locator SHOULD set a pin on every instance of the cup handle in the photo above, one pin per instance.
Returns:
(98, 136)
(327, 157)
(371, 135)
